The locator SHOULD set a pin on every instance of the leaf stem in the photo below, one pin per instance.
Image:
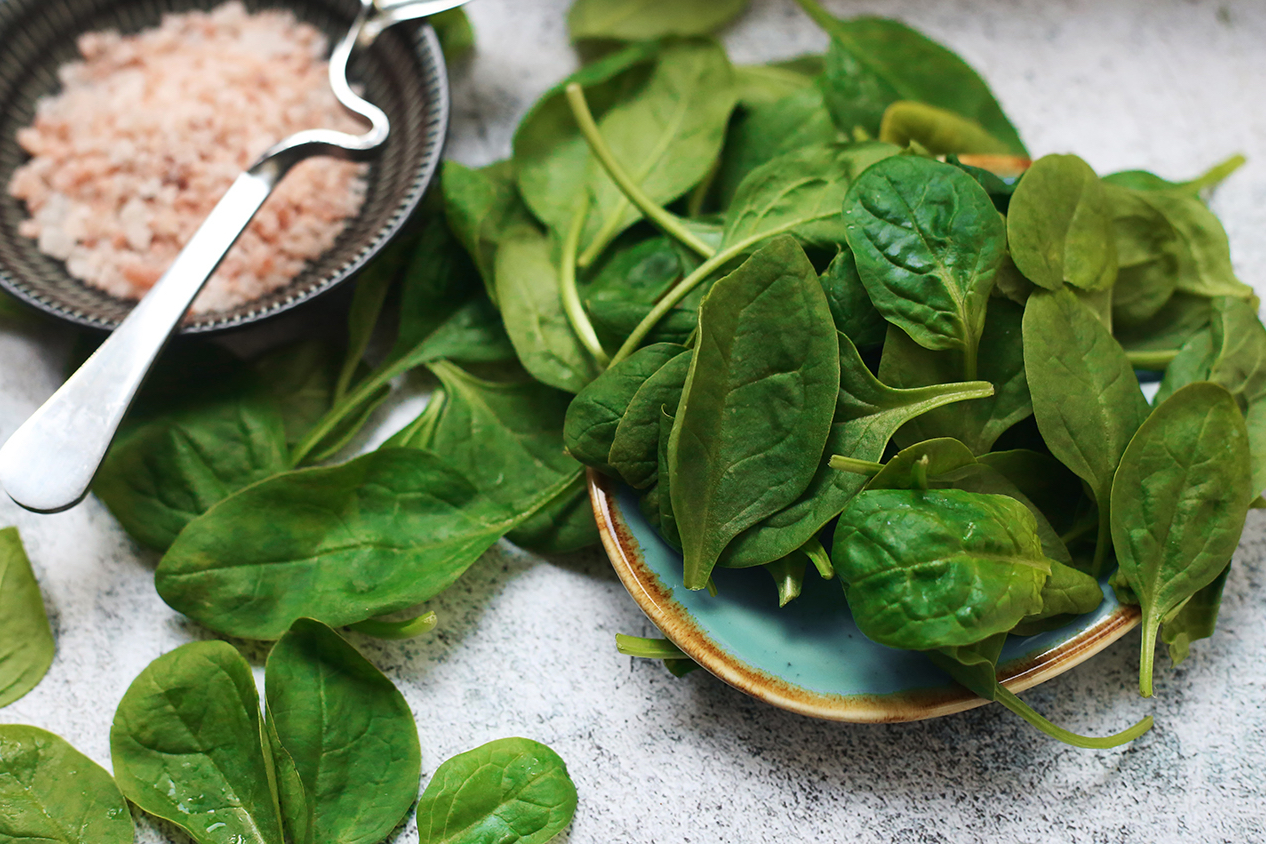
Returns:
(571, 295)
(406, 629)
(648, 648)
(821, 561)
(668, 223)
(1155, 361)
(869, 468)
(1147, 653)
(1217, 173)
(1019, 707)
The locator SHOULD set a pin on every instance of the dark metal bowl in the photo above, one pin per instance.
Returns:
(403, 74)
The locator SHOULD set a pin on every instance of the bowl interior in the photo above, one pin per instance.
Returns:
(809, 657)
(403, 73)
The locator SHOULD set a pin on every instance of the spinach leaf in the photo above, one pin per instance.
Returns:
(372, 286)
(551, 158)
(28, 639)
(1204, 252)
(1195, 620)
(799, 192)
(53, 793)
(873, 62)
(928, 244)
(349, 734)
(166, 469)
(1147, 254)
(667, 137)
(1239, 364)
(667, 519)
(758, 402)
(937, 130)
(300, 380)
(978, 423)
(1174, 324)
(851, 308)
(1059, 226)
(594, 415)
(1086, 399)
(457, 38)
(761, 132)
(974, 667)
(563, 525)
(480, 206)
(935, 569)
(645, 20)
(528, 293)
(1193, 362)
(513, 790)
(1143, 180)
(1179, 502)
(1045, 481)
(377, 534)
(760, 84)
(635, 448)
(507, 439)
(187, 746)
(1066, 593)
(867, 414)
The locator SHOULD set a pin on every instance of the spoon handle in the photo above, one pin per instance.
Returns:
(49, 463)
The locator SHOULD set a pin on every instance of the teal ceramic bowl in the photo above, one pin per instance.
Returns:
(809, 657)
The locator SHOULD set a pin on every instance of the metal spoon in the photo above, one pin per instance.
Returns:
(49, 463)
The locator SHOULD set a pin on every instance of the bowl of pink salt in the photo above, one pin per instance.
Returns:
(123, 122)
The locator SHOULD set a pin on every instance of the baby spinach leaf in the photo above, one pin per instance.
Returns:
(27, 638)
(935, 569)
(1195, 620)
(1179, 502)
(528, 293)
(377, 534)
(851, 308)
(974, 667)
(1066, 593)
(53, 793)
(1086, 399)
(505, 437)
(667, 519)
(758, 402)
(168, 468)
(563, 525)
(645, 20)
(1045, 481)
(867, 414)
(635, 448)
(1059, 226)
(349, 733)
(1169, 328)
(187, 747)
(511, 790)
(457, 38)
(594, 415)
(551, 157)
(937, 130)
(928, 244)
(300, 380)
(763, 131)
(1192, 363)
(480, 205)
(1239, 364)
(799, 192)
(372, 286)
(1202, 245)
(977, 423)
(874, 61)
(759, 84)
(1147, 255)
(1143, 180)
(667, 136)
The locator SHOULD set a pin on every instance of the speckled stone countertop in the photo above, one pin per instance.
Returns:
(526, 645)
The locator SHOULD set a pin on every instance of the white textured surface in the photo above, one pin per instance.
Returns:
(526, 645)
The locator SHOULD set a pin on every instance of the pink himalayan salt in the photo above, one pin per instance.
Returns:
(150, 130)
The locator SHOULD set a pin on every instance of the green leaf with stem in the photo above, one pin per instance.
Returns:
(28, 646)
